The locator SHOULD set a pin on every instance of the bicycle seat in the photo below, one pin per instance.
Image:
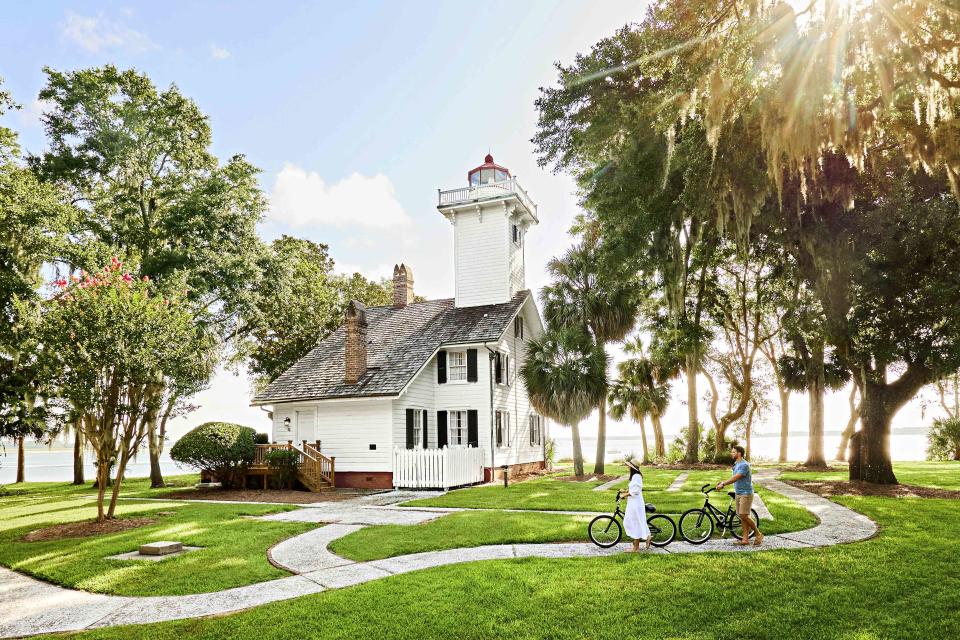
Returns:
(731, 494)
(649, 507)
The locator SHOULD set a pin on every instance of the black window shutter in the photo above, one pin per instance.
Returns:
(441, 367)
(498, 429)
(409, 428)
(532, 439)
(473, 434)
(498, 377)
(441, 429)
(423, 425)
(471, 365)
(506, 369)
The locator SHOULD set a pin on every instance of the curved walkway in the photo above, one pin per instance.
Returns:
(31, 606)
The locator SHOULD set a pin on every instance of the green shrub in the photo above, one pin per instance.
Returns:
(550, 453)
(283, 463)
(943, 440)
(262, 438)
(221, 449)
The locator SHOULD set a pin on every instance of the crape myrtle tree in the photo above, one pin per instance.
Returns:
(34, 220)
(565, 373)
(111, 339)
(602, 303)
(136, 161)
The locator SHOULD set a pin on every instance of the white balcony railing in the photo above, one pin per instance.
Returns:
(487, 191)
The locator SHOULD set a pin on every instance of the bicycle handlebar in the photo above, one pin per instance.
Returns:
(704, 488)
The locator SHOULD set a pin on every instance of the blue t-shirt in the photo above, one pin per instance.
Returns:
(743, 486)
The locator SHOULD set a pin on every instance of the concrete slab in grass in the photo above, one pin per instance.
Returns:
(414, 562)
(308, 551)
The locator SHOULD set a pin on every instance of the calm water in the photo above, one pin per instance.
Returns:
(54, 465)
(902, 446)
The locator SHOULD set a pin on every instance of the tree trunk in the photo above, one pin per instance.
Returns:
(749, 428)
(875, 463)
(156, 475)
(815, 388)
(693, 423)
(643, 436)
(577, 451)
(851, 425)
(659, 444)
(103, 475)
(77, 455)
(784, 423)
(21, 461)
(601, 438)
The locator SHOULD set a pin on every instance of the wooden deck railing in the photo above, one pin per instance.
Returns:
(311, 463)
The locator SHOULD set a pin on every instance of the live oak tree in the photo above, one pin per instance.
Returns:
(136, 161)
(302, 302)
(110, 340)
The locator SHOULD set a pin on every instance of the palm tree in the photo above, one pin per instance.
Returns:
(565, 373)
(638, 393)
(604, 305)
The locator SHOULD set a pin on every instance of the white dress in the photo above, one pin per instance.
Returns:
(635, 520)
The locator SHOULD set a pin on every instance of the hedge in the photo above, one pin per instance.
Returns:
(221, 449)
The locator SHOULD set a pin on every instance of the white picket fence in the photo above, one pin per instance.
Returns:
(437, 468)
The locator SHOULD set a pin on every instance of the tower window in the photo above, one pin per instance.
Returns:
(517, 236)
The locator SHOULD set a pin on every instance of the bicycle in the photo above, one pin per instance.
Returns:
(697, 525)
(606, 531)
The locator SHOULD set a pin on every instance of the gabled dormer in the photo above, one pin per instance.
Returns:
(490, 217)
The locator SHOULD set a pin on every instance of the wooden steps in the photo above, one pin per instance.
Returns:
(315, 471)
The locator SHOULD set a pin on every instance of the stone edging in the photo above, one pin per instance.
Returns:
(32, 606)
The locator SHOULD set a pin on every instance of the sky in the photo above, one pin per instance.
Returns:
(356, 113)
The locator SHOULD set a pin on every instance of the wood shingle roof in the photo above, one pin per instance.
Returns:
(400, 342)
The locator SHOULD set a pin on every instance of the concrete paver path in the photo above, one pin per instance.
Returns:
(31, 606)
(677, 483)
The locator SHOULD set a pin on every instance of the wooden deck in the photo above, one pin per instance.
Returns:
(315, 471)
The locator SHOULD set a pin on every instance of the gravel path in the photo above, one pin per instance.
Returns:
(32, 607)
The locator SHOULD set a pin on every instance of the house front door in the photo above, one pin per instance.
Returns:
(306, 425)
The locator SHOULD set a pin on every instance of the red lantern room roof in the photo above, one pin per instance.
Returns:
(489, 171)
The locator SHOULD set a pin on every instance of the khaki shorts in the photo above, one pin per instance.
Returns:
(744, 502)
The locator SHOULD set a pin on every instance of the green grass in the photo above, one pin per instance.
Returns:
(476, 528)
(902, 584)
(939, 475)
(233, 553)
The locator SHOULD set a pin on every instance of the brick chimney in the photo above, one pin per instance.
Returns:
(402, 285)
(355, 343)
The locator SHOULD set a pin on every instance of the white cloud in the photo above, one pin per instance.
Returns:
(303, 199)
(218, 53)
(100, 33)
(30, 114)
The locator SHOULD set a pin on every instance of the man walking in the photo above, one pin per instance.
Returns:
(742, 481)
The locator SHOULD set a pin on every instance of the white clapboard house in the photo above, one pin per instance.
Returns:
(427, 394)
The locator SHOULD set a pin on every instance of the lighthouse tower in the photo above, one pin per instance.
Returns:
(490, 218)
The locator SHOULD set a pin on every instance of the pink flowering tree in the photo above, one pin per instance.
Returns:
(111, 340)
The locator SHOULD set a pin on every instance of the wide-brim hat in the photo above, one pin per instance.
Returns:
(633, 463)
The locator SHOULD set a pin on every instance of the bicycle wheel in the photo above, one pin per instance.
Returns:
(605, 531)
(736, 527)
(662, 529)
(696, 526)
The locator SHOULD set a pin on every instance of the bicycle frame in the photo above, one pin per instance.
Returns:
(723, 520)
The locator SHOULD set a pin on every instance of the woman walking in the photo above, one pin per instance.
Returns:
(635, 520)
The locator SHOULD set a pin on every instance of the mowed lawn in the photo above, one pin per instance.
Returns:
(551, 493)
(233, 550)
(938, 475)
(903, 583)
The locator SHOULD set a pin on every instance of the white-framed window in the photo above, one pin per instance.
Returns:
(516, 234)
(457, 366)
(536, 431)
(518, 327)
(457, 427)
(502, 363)
(418, 433)
(502, 428)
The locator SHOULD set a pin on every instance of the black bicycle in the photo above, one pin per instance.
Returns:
(697, 525)
(606, 531)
